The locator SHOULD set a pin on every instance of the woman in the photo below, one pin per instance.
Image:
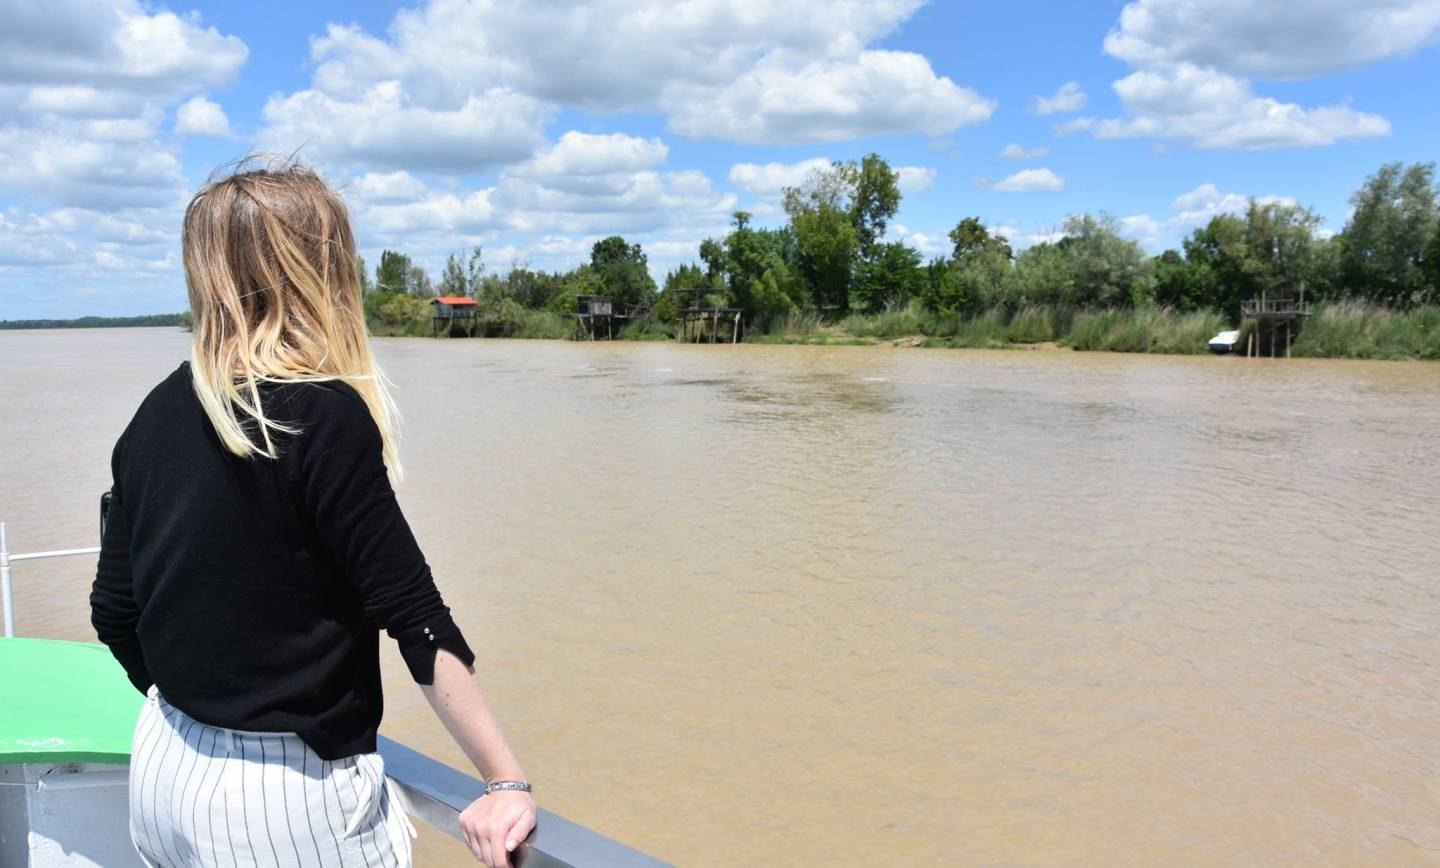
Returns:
(254, 548)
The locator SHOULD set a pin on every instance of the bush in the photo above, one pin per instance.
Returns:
(1354, 330)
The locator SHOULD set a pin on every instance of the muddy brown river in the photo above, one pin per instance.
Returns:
(767, 605)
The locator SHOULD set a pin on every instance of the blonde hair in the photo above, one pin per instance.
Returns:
(270, 268)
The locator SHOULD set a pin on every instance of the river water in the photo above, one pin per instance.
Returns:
(867, 605)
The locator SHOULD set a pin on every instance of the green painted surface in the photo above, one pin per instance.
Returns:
(64, 702)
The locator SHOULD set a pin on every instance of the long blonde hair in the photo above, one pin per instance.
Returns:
(271, 271)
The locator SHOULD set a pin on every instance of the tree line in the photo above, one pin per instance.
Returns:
(832, 258)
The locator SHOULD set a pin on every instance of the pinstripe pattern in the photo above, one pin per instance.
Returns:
(202, 795)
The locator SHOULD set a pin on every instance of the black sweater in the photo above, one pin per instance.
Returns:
(252, 591)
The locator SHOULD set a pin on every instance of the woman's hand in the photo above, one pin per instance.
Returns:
(494, 825)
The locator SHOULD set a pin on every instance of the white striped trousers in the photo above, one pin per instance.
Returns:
(204, 795)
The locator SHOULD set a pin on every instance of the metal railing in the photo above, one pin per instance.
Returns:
(430, 790)
(436, 793)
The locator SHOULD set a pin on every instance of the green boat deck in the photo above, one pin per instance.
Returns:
(65, 702)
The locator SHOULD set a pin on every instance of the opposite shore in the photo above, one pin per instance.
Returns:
(1337, 331)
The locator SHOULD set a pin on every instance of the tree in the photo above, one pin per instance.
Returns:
(1384, 245)
(453, 280)
(417, 283)
(622, 270)
(874, 199)
(970, 238)
(1107, 270)
(393, 273)
(1042, 275)
(890, 278)
(1278, 246)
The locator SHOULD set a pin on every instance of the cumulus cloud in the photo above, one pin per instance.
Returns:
(878, 93)
(386, 128)
(769, 180)
(1210, 109)
(114, 46)
(779, 73)
(1194, 63)
(93, 185)
(1016, 152)
(201, 117)
(930, 244)
(1269, 40)
(580, 185)
(915, 179)
(580, 155)
(1069, 98)
(1026, 181)
(67, 169)
(1189, 211)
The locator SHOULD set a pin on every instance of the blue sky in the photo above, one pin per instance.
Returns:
(535, 128)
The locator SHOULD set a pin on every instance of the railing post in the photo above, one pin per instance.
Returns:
(9, 601)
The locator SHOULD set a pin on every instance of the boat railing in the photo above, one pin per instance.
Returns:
(430, 790)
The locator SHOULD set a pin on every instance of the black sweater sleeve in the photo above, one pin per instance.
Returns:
(348, 496)
(113, 610)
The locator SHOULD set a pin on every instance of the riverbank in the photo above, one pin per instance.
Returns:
(1341, 331)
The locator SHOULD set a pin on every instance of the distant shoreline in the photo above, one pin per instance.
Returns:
(92, 322)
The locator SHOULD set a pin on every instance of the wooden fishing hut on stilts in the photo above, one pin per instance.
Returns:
(1272, 315)
(709, 322)
(453, 310)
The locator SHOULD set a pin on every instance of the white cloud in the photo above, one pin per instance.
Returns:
(113, 46)
(1069, 98)
(578, 155)
(915, 179)
(771, 73)
(1212, 110)
(877, 93)
(201, 117)
(67, 169)
(1026, 181)
(1271, 40)
(1190, 210)
(385, 128)
(385, 188)
(929, 244)
(1016, 152)
(1193, 62)
(94, 187)
(768, 181)
(580, 185)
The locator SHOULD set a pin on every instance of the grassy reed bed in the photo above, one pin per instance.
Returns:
(1336, 330)
(1351, 330)
(1145, 330)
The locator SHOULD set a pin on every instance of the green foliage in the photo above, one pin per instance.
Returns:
(622, 271)
(462, 278)
(393, 272)
(1391, 232)
(1354, 330)
(970, 238)
(891, 277)
(184, 320)
(874, 199)
(894, 323)
(1106, 269)
(1146, 329)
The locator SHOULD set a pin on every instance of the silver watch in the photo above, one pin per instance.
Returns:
(492, 786)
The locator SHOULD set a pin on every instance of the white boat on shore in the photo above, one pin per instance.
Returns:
(1225, 342)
